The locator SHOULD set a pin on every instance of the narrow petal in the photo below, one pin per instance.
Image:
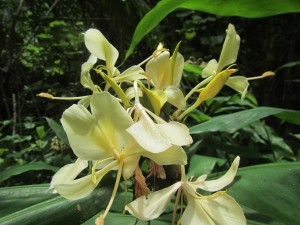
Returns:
(174, 155)
(99, 46)
(175, 97)
(131, 74)
(239, 84)
(216, 209)
(177, 133)
(80, 188)
(230, 48)
(83, 134)
(210, 69)
(85, 78)
(68, 172)
(154, 205)
(178, 69)
(130, 164)
(157, 68)
(226, 179)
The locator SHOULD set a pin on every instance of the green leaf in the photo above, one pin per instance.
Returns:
(56, 210)
(245, 8)
(16, 170)
(234, 121)
(200, 165)
(58, 130)
(289, 64)
(270, 189)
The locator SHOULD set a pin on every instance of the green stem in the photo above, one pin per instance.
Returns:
(191, 108)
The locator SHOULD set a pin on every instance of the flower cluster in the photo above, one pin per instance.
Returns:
(137, 114)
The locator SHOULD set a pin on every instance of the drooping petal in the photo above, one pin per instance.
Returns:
(230, 48)
(68, 172)
(148, 135)
(154, 205)
(99, 46)
(175, 96)
(239, 84)
(80, 188)
(178, 69)
(112, 120)
(157, 68)
(216, 209)
(177, 133)
(84, 136)
(85, 78)
(210, 69)
(130, 164)
(225, 180)
(174, 155)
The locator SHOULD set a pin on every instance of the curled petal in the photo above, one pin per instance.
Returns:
(130, 164)
(175, 96)
(80, 188)
(68, 172)
(85, 78)
(131, 74)
(99, 46)
(154, 205)
(178, 68)
(239, 84)
(210, 69)
(226, 179)
(215, 209)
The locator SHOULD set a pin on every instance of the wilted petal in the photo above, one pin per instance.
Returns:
(99, 46)
(83, 134)
(157, 68)
(175, 96)
(85, 78)
(210, 69)
(216, 209)
(174, 155)
(154, 205)
(239, 84)
(226, 179)
(230, 48)
(80, 188)
(68, 172)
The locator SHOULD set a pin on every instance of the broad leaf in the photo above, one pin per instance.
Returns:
(232, 122)
(41, 209)
(245, 8)
(270, 189)
(16, 170)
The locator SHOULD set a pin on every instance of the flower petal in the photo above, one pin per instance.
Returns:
(154, 205)
(112, 120)
(210, 69)
(131, 74)
(68, 172)
(230, 48)
(226, 179)
(85, 78)
(178, 69)
(216, 209)
(99, 46)
(177, 133)
(239, 84)
(83, 134)
(157, 68)
(174, 155)
(175, 96)
(130, 164)
(80, 188)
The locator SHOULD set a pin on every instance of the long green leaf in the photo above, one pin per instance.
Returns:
(270, 189)
(16, 170)
(58, 130)
(242, 8)
(56, 210)
(232, 122)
